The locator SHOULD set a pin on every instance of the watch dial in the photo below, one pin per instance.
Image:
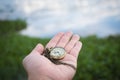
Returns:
(57, 52)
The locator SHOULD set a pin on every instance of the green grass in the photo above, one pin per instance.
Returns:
(99, 58)
(13, 49)
(8, 27)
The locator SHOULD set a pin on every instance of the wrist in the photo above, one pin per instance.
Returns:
(40, 77)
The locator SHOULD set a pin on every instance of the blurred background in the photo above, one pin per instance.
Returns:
(24, 23)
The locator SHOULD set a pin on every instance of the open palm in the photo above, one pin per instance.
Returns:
(38, 65)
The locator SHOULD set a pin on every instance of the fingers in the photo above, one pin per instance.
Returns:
(68, 41)
(72, 42)
(33, 55)
(39, 48)
(64, 39)
(54, 40)
(75, 50)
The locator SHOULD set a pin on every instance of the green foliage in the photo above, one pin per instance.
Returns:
(13, 49)
(7, 27)
(98, 59)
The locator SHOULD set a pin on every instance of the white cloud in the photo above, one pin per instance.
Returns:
(84, 15)
(52, 16)
(32, 5)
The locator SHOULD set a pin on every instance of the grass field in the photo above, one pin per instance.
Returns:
(99, 58)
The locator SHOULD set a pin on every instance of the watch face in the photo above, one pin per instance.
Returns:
(57, 53)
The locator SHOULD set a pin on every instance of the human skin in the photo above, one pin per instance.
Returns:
(38, 67)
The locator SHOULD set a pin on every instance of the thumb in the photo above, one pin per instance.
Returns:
(33, 57)
(39, 48)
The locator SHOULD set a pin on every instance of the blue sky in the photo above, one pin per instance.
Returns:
(45, 18)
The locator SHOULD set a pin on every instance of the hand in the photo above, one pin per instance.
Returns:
(39, 67)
